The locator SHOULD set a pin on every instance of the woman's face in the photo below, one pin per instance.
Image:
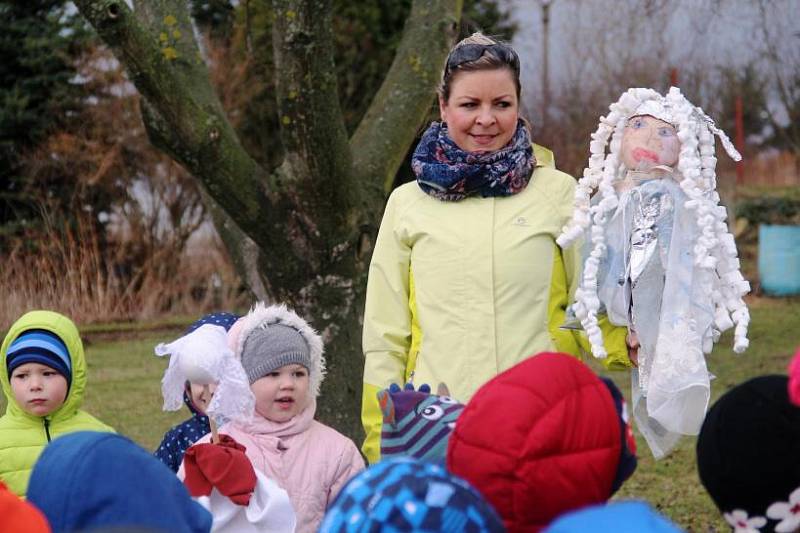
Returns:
(483, 109)
(647, 142)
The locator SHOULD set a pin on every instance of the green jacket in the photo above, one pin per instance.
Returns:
(461, 291)
(23, 436)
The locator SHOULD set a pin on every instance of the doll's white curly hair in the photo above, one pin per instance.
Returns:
(714, 249)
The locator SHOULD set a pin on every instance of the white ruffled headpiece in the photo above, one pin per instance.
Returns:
(203, 357)
(715, 249)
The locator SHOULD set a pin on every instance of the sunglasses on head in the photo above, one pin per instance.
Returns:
(467, 53)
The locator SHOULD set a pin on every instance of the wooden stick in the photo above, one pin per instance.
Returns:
(211, 422)
(214, 435)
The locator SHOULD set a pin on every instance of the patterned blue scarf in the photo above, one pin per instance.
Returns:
(448, 173)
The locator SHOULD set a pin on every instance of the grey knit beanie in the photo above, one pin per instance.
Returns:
(271, 346)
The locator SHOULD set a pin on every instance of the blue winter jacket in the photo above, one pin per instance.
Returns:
(86, 481)
(179, 438)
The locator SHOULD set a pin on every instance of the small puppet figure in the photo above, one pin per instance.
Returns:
(196, 396)
(203, 357)
(659, 257)
(417, 423)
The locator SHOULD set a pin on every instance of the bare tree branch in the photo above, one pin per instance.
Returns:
(387, 130)
(165, 65)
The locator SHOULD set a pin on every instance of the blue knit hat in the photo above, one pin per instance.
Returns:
(226, 320)
(617, 517)
(39, 346)
(405, 494)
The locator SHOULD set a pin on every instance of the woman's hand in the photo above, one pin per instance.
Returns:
(632, 340)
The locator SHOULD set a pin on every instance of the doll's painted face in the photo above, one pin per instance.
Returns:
(648, 142)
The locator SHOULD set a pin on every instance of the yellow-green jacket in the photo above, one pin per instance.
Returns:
(460, 291)
(23, 436)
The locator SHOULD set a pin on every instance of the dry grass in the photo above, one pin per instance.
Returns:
(67, 271)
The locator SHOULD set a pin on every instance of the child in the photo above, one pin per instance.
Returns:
(413, 496)
(747, 456)
(176, 440)
(43, 377)
(90, 481)
(545, 437)
(282, 357)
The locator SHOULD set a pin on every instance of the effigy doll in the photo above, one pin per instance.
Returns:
(659, 258)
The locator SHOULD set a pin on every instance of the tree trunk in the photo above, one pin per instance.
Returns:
(300, 233)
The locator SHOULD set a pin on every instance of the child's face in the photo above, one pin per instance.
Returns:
(282, 394)
(38, 389)
(199, 398)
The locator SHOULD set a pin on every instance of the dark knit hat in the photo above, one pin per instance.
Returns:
(39, 346)
(405, 494)
(224, 319)
(271, 346)
(627, 453)
(747, 452)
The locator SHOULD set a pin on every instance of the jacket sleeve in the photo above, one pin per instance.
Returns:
(386, 336)
(167, 452)
(350, 464)
(562, 287)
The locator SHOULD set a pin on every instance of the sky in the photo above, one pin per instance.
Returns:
(691, 33)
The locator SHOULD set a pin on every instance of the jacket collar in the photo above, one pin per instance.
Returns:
(262, 427)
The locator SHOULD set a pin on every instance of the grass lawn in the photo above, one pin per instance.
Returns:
(672, 484)
(124, 391)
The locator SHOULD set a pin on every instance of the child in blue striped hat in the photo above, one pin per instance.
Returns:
(43, 376)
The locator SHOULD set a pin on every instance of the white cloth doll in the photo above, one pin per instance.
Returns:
(204, 357)
(659, 258)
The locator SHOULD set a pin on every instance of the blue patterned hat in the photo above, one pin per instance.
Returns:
(226, 320)
(410, 496)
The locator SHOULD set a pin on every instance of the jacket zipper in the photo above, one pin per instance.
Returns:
(47, 429)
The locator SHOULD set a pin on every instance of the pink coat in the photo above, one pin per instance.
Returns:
(309, 460)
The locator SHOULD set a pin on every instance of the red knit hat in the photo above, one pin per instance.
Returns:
(540, 439)
(19, 515)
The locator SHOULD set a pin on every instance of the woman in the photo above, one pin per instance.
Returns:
(466, 279)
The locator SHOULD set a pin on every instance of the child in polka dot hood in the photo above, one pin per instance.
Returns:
(179, 438)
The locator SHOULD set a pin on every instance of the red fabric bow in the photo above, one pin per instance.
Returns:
(223, 466)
